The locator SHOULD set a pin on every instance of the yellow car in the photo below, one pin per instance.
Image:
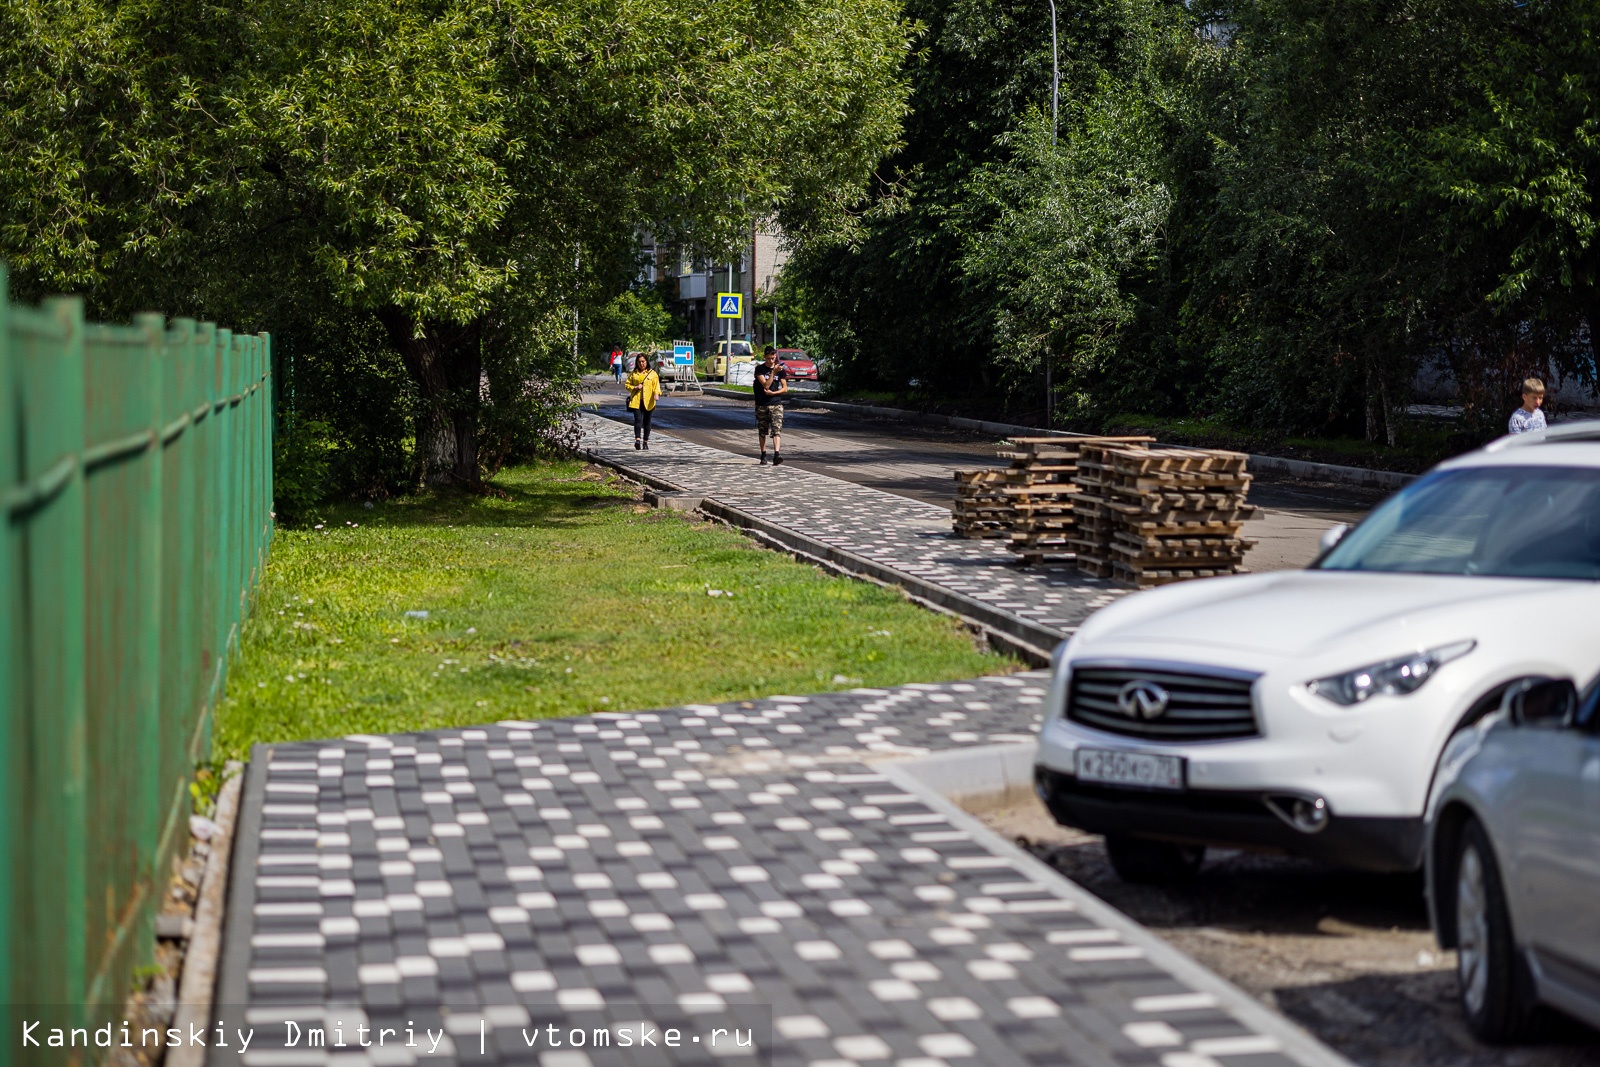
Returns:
(723, 357)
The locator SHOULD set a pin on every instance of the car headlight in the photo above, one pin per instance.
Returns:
(1394, 677)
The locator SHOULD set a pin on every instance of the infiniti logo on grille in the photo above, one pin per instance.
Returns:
(1140, 699)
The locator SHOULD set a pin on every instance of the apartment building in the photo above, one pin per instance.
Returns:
(754, 272)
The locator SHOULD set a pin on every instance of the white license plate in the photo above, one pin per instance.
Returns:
(1130, 768)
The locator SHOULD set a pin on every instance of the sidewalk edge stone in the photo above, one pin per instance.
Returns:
(200, 959)
(231, 990)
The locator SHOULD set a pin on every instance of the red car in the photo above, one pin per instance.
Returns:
(798, 364)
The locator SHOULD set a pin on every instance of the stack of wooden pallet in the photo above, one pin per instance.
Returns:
(1094, 530)
(1162, 515)
(982, 508)
(1042, 484)
(1041, 488)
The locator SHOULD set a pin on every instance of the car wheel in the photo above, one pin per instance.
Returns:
(1496, 993)
(1145, 862)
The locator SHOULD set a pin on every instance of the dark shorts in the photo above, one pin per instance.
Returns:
(769, 419)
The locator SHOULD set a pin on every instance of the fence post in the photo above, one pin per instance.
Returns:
(180, 569)
(47, 355)
(267, 423)
(202, 383)
(10, 718)
(238, 495)
(121, 472)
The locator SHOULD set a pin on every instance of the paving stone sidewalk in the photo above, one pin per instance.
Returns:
(893, 531)
(753, 867)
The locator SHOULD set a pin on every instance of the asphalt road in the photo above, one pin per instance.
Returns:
(917, 461)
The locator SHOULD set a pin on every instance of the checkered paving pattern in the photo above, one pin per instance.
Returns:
(737, 865)
(893, 531)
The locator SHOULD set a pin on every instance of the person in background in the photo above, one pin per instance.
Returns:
(771, 382)
(1528, 416)
(616, 363)
(644, 388)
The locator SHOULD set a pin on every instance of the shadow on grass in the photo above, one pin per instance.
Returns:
(517, 497)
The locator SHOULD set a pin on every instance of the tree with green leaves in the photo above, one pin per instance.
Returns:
(1515, 175)
(457, 172)
(920, 277)
(1277, 212)
(1070, 221)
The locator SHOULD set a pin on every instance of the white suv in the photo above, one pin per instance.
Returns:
(1305, 711)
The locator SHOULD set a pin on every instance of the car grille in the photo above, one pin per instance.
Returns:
(1200, 706)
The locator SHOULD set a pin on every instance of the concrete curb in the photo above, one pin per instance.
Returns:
(1322, 472)
(940, 779)
(199, 980)
(1330, 472)
(1028, 639)
(734, 394)
(976, 774)
(232, 981)
(1024, 636)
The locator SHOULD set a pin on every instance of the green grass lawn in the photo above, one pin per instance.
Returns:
(562, 597)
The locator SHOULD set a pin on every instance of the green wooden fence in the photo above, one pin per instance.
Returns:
(136, 480)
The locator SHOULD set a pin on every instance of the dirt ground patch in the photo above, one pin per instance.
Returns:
(1348, 956)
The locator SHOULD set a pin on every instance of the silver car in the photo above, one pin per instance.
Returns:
(1513, 857)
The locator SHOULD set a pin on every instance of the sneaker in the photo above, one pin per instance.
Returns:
(763, 459)
(647, 446)
(636, 444)
(777, 458)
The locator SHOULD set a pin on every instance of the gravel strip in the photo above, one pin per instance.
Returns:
(1347, 955)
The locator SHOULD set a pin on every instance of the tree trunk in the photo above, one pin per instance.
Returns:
(446, 361)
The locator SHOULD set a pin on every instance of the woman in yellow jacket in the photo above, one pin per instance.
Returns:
(644, 386)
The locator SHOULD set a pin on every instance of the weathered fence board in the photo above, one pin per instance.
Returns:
(136, 482)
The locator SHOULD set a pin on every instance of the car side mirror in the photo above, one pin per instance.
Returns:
(1543, 703)
(1333, 535)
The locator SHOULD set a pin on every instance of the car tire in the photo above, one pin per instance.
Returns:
(1496, 989)
(1145, 862)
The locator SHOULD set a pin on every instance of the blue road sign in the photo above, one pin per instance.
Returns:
(682, 355)
(730, 305)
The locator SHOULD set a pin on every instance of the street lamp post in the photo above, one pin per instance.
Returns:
(1055, 76)
(1055, 122)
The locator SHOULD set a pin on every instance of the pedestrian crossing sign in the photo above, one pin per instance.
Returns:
(730, 305)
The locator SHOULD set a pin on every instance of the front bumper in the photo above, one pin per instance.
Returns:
(1229, 819)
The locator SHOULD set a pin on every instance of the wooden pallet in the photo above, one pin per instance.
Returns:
(1176, 461)
(979, 531)
(981, 508)
(1041, 489)
(1178, 501)
(1146, 578)
(1048, 495)
(1150, 516)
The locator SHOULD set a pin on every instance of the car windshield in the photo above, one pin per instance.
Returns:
(1504, 522)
